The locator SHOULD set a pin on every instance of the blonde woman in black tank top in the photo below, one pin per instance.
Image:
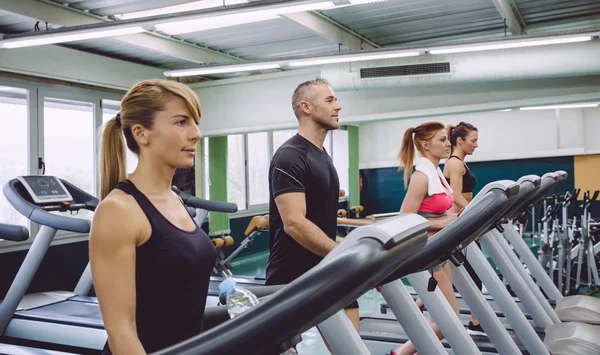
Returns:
(151, 263)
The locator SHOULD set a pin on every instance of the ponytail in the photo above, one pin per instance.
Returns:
(407, 154)
(450, 130)
(112, 157)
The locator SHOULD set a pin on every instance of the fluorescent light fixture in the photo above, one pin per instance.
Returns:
(356, 2)
(192, 6)
(541, 42)
(208, 23)
(221, 70)
(353, 58)
(58, 37)
(558, 106)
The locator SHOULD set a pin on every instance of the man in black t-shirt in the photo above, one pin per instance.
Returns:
(304, 190)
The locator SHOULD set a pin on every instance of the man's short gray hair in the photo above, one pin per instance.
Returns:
(304, 92)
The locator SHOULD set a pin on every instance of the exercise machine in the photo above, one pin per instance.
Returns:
(15, 233)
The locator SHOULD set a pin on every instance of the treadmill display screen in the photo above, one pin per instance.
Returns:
(44, 186)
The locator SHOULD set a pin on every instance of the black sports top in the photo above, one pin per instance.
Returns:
(300, 166)
(172, 274)
(469, 181)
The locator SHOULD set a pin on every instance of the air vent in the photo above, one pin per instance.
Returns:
(405, 70)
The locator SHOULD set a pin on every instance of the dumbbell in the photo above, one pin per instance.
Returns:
(342, 193)
(218, 242)
(341, 213)
(228, 241)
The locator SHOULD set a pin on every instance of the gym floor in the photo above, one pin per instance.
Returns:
(312, 344)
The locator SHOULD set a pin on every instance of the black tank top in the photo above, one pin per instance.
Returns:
(469, 181)
(173, 270)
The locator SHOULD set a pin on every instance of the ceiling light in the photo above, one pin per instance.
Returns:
(221, 70)
(558, 106)
(57, 37)
(352, 58)
(511, 44)
(356, 2)
(192, 6)
(207, 23)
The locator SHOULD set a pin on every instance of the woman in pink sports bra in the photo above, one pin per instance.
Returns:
(431, 141)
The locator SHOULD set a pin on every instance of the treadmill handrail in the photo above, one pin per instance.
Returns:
(305, 302)
(38, 215)
(13, 232)
(197, 202)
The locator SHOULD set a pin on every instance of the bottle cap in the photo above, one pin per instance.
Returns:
(227, 285)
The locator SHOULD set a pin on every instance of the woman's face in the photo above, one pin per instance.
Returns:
(469, 144)
(439, 145)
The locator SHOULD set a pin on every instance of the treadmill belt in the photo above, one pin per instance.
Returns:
(464, 318)
(464, 308)
(390, 331)
(67, 312)
(23, 350)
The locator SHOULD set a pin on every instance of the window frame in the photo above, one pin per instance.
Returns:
(36, 92)
(256, 209)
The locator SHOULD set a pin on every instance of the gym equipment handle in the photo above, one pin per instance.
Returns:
(197, 202)
(13, 232)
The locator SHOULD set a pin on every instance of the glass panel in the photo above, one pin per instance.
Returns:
(280, 137)
(205, 178)
(340, 158)
(110, 108)
(327, 143)
(236, 172)
(13, 146)
(258, 168)
(69, 143)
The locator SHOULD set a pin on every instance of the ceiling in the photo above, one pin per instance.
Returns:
(384, 24)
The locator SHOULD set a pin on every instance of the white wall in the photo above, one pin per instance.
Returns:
(591, 129)
(502, 135)
(263, 102)
(249, 106)
(76, 66)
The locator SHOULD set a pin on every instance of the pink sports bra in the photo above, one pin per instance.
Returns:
(438, 203)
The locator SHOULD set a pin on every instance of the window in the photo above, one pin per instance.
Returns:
(280, 137)
(258, 168)
(205, 174)
(110, 109)
(69, 143)
(236, 172)
(340, 158)
(13, 146)
(249, 159)
(327, 144)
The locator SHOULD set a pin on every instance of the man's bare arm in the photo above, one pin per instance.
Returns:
(292, 208)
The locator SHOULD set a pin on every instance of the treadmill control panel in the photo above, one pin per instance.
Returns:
(45, 189)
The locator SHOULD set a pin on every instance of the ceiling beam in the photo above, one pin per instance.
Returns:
(66, 16)
(333, 31)
(510, 13)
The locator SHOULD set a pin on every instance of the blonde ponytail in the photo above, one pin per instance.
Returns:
(407, 154)
(112, 157)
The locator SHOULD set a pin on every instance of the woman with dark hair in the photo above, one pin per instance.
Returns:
(464, 138)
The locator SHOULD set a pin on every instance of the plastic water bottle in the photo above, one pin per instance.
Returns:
(239, 299)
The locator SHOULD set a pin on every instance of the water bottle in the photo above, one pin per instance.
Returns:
(239, 299)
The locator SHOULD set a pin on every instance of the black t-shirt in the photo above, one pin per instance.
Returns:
(299, 166)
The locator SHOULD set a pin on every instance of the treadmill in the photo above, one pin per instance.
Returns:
(318, 297)
(541, 188)
(16, 233)
(64, 318)
(387, 331)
